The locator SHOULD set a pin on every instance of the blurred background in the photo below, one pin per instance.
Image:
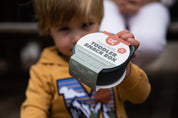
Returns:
(20, 47)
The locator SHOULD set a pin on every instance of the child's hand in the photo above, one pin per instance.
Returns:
(129, 37)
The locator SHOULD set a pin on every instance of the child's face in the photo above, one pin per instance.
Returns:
(66, 36)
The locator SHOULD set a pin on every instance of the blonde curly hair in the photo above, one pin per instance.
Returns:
(54, 12)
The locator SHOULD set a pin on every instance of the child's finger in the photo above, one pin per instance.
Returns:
(133, 42)
(119, 34)
(126, 36)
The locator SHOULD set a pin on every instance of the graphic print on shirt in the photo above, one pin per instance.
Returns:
(81, 103)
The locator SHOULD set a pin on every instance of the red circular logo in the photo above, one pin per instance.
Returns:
(121, 50)
(112, 41)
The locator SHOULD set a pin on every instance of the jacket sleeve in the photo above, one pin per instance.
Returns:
(38, 95)
(136, 87)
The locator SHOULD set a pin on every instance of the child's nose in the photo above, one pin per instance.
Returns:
(74, 41)
(122, 2)
(76, 37)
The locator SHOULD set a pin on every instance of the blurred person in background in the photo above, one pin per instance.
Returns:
(148, 20)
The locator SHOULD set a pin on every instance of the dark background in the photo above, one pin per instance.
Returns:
(22, 11)
(16, 11)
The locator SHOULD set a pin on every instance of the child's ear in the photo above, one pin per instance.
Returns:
(99, 23)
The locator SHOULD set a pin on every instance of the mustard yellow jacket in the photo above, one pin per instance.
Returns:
(53, 93)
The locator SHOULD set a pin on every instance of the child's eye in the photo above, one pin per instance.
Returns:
(85, 25)
(63, 29)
